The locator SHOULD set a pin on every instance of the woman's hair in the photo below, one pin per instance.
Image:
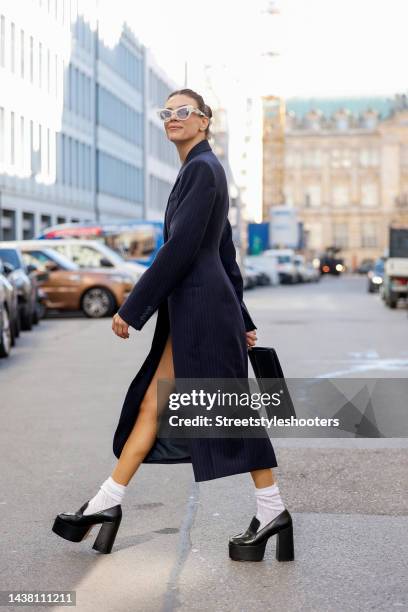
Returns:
(200, 103)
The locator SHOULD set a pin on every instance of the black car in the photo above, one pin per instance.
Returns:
(375, 276)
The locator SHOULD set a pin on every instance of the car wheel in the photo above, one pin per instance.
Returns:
(36, 318)
(5, 335)
(17, 326)
(26, 319)
(98, 302)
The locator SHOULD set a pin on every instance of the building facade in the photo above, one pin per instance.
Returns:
(79, 139)
(345, 170)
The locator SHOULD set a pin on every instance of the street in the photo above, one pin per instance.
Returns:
(61, 393)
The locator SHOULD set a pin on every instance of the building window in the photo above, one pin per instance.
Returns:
(12, 47)
(12, 142)
(28, 225)
(340, 195)
(340, 158)
(312, 158)
(340, 235)
(31, 59)
(22, 53)
(22, 143)
(369, 194)
(2, 40)
(40, 64)
(313, 196)
(48, 70)
(9, 225)
(45, 222)
(369, 157)
(369, 238)
(2, 138)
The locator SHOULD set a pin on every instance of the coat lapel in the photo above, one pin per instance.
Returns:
(202, 145)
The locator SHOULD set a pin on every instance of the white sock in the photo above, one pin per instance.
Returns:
(269, 504)
(110, 494)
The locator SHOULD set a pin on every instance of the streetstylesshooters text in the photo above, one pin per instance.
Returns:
(254, 401)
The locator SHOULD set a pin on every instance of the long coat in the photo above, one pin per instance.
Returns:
(196, 286)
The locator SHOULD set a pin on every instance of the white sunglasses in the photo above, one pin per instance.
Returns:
(182, 112)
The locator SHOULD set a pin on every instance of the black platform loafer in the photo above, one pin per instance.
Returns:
(75, 526)
(250, 544)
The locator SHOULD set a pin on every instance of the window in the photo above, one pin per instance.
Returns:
(22, 54)
(12, 143)
(369, 234)
(340, 195)
(340, 158)
(369, 194)
(340, 235)
(86, 256)
(48, 70)
(22, 143)
(369, 157)
(2, 40)
(1, 134)
(12, 47)
(313, 196)
(31, 59)
(39, 64)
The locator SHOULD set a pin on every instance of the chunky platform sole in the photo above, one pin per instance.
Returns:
(74, 533)
(284, 548)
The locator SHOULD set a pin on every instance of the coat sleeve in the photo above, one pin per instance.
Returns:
(228, 258)
(187, 228)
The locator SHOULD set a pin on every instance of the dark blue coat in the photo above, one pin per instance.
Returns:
(196, 286)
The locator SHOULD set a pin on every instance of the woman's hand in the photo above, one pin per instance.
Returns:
(120, 327)
(251, 338)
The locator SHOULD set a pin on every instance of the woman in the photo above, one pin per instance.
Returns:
(203, 330)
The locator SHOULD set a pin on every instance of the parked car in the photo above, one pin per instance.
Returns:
(375, 276)
(365, 266)
(6, 334)
(300, 263)
(311, 272)
(250, 278)
(27, 286)
(266, 266)
(11, 294)
(97, 293)
(88, 254)
(285, 263)
(262, 278)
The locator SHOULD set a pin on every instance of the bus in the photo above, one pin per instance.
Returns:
(136, 241)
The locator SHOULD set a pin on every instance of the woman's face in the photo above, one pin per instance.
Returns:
(181, 130)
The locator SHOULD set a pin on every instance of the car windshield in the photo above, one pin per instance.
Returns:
(44, 255)
(284, 259)
(11, 256)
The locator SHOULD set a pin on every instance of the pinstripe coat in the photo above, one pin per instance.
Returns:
(196, 287)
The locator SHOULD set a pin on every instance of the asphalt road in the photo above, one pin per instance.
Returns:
(61, 393)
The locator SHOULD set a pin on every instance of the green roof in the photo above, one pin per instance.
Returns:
(356, 105)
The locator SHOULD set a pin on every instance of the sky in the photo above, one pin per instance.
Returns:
(320, 47)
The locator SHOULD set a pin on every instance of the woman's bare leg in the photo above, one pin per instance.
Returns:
(263, 478)
(143, 434)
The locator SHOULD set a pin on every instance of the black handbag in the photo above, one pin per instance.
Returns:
(266, 365)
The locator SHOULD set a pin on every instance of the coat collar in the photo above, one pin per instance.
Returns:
(199, 147)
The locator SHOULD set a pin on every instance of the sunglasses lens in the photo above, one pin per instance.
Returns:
(164, 114)
(183, 112)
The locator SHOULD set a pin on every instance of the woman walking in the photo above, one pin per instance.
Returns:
(203, 330)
